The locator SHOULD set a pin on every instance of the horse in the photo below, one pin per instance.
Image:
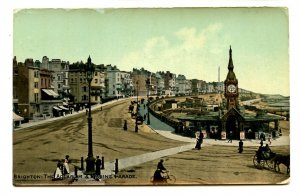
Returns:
(281, 159)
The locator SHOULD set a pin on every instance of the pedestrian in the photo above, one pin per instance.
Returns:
(86, 111)
(280, 133)
(269, 140)
(261, 141)
(145, 117)
(66, 165)
(101, 108)
(98, 164)
(201, 136)
(58, 172)
(230, 137)
(216, 134)
(198, 143)
(241, 146)
(125, 125)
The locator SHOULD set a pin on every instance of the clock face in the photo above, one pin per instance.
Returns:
(231, 88)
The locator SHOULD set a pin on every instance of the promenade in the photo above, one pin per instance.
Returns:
(167, 131)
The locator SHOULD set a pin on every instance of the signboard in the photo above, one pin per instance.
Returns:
(242, 135)
(223, 135)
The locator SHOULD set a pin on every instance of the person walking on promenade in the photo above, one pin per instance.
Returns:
(230, 137)
(66, 165)
(58, 172)
(269, 140)
(198, 143)
(241, 146)
(125, 125)
(216, 134)
(98, 164)
(261, 142)
(201, 138)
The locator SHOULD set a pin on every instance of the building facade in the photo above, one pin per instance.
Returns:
(26, 88)
(79, 87)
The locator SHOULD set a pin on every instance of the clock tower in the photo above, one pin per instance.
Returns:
(231, 85)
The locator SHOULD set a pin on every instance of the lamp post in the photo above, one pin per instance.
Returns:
(148, 86)
(137, 106)
(90, 160)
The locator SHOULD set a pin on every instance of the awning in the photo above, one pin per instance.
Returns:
(62, 107)
(17, 117)
(57, 108)
(50, 92)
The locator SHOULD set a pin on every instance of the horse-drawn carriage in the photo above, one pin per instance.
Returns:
(271, 160)
(262, 158)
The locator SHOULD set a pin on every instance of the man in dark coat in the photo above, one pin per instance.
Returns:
(98, 167)
(198, 143)
(241, 146)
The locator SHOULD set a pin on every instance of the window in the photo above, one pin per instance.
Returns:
(42, 81)
(58, 77)
(96, 73)
(84, 89)
(36, 74)
(36, 85)
(58, 85)
(96, 80)
(80, 80)
(36, 97)
(96, 98)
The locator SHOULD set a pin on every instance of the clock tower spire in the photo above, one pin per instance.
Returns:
(231, 85)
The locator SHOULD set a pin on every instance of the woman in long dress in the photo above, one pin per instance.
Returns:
(66, 165)
(58, 172)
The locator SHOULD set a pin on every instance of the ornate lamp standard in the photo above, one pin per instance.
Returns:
(148, 87)
(137, 106)
(90, 160)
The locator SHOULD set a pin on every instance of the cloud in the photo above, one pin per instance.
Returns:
(186, 52)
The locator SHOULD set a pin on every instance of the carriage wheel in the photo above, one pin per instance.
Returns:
(257, 163)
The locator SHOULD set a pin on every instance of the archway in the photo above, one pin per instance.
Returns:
(232, 124)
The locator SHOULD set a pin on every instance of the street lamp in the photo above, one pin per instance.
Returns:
(137, 106)
(90, 160)
(148, 86)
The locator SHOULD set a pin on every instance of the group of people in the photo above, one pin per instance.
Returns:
(263, 152)
(62, 169)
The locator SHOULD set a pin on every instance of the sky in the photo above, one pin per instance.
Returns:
(189, 41)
